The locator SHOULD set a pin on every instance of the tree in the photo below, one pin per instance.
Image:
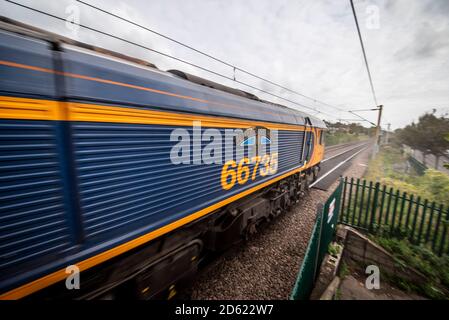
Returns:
(436, 184)
(427, 135)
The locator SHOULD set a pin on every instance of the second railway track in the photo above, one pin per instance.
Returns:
(336, 162)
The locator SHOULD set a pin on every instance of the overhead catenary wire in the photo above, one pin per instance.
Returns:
(234, 68)
(171, 57)
(362, 118)
(361, 110)
(206, 54)
(190, 63)
(364, 54)
(352, 120)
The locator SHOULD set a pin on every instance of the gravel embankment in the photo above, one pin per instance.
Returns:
(266, 266)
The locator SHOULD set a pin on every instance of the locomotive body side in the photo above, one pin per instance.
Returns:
(86, 168)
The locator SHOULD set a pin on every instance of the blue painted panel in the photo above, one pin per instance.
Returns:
(125, 183)
(126, 179)
(127, 187)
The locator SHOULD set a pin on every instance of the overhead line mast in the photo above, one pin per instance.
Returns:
(378, 107)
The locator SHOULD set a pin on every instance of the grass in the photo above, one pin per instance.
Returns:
(343, 271)
(334, 249)
(337, 294)
(389, 168)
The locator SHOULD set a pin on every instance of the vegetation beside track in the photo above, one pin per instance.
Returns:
(420, 243)
(340, 132)
(429, 134)
(390, 167)
(435, 268)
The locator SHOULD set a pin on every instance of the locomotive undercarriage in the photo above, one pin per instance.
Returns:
(159, 269)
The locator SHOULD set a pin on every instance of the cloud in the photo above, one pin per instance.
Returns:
(427, 43)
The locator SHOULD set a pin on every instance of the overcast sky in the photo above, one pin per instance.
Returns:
(309, 46)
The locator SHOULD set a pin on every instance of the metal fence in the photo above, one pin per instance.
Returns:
(379, 209)
(322, 235)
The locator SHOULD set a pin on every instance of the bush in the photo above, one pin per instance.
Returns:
(342, 137)
(435, 183)
(422, 259)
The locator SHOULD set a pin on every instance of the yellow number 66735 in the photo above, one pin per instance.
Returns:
(229, 176)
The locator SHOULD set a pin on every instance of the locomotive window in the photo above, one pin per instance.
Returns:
(321, 137)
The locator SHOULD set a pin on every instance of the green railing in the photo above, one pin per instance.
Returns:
(322, 235)
(379, 209)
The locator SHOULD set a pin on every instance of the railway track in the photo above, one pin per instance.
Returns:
(339, 146)
(332, 151)
(336, 161)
